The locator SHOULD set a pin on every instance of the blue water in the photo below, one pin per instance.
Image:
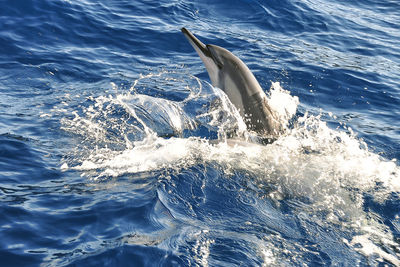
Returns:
(105, 113)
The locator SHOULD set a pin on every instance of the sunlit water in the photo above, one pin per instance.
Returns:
(115, 149)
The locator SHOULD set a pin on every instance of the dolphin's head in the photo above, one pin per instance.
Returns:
(212, 56)
(221, 63)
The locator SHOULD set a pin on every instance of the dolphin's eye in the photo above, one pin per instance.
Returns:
(215, 56)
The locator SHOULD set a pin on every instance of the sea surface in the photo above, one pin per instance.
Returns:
(114, 148)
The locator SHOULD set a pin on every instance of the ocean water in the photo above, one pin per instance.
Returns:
(114, 148)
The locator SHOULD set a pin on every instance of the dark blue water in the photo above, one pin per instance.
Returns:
(105, 113)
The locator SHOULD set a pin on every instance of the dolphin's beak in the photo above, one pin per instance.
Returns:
(196, 43)
(204, 51)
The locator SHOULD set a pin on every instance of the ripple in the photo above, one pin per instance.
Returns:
(247, 199)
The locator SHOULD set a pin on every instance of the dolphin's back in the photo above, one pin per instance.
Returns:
(244, 91)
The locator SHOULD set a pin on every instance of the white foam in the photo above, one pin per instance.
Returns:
(64, 166)
(268, 257)
(284, 104)
(151, 154)
(364, 245)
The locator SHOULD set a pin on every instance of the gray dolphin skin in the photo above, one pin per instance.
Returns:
(230, 74)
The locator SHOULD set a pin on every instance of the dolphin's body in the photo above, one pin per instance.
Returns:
(231, 75)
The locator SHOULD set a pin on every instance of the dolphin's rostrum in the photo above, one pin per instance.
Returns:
(231, 75)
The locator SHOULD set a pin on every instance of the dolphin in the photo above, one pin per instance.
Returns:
(231, 75)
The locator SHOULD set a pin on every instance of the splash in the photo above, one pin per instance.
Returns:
(167, 121)
(282, 103)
